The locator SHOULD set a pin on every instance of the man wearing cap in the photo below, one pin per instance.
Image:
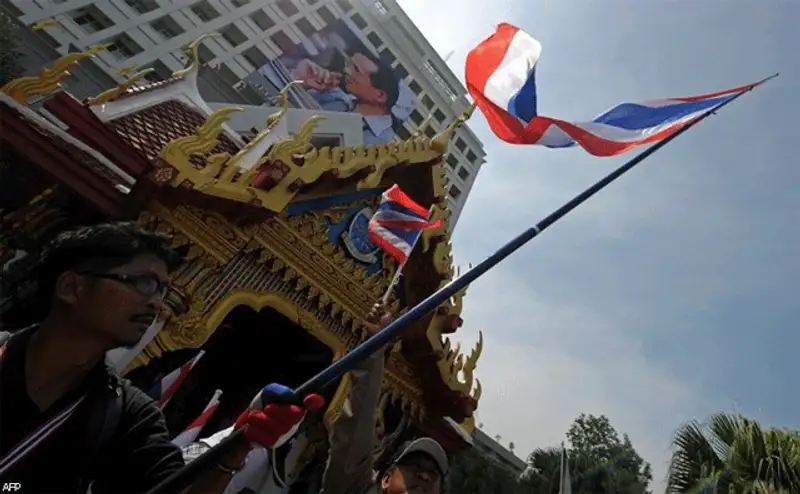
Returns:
(418, 467)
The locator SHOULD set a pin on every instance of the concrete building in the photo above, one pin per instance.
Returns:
(497, 452)
(153, 33)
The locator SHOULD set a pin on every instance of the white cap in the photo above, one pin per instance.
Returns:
(426, 446)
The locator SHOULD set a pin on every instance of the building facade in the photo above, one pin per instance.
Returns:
(253, 35)
(497, 452)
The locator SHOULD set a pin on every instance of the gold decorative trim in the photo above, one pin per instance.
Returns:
(111, 94)
(48, 80)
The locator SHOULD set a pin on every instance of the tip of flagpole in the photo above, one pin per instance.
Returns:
(773, 76)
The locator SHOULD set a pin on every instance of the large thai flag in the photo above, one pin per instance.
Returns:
(169, 384)
(189, 435)
(500, 76)
(398, 224)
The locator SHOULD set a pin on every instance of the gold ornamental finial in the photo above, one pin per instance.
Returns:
(283, 99)
(439, 142)
(126, 70)
(204, 140)
(192, 51)
(41, 25)
(49, 79)
(114, 93)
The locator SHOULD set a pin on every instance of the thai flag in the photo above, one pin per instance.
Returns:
(169, 384)
(500, 77)
(190, 434)
(398, 224)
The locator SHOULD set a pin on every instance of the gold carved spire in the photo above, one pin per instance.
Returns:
(253, 151)
(179, 152)
(193, 53)
(114, 93)
(49, 78)
(439, 142)
(42, 25)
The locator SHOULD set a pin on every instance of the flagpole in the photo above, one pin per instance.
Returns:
(187, 475)
(561, 476)
(393, 283)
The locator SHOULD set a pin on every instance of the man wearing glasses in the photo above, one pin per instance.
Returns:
(67, 421)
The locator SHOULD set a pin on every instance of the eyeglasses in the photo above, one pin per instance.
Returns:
(143, 283)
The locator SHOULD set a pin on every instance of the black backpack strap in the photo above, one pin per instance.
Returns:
(106, 415)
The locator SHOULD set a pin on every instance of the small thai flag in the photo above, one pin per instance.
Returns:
(500, 75)
(169, 384)
(190, 433)
(398, 224)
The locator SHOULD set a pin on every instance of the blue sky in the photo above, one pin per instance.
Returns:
(674, 293)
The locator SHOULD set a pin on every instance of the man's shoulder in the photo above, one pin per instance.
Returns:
(136, 401)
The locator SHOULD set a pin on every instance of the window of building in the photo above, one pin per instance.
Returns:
(91, 19)
(233, 35)
(254, 56)
(205, 55)
(152, 77)
(414, 86)
(239, 3)
(288, 8)
(381, 8)
(205, 12)
(375, 39)
(452, 161)
(345, 5)
(123, 47)
(454, 192)
(401, 71)
(461, 145)
(305, 27)
(167, 27)
(282, 40)
(359, 21)
(322, 141)
(427, 101)
(262, 20)
(312, 2)
(416, 117)
(160, 71)
(439, 115)
(463, 174)
(387, 56)
(326, 15)
(430, 131)
(471, 156)
(142, 6)
(226, 74)
(403, 133)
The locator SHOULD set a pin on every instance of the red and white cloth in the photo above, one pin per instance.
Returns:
(190, 434)
(398, 224)
(500, 76)
(169, 384)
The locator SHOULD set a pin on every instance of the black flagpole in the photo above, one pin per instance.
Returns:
(189, 474)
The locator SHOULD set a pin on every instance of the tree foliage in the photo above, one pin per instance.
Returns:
(10, 50)
(731, 454)
(600, 462)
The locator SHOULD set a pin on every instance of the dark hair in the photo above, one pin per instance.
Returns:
(100, 247)
(386, 80)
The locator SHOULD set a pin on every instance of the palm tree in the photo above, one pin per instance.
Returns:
(731, 454)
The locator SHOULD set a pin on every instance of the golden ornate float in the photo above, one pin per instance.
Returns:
(267, 224)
